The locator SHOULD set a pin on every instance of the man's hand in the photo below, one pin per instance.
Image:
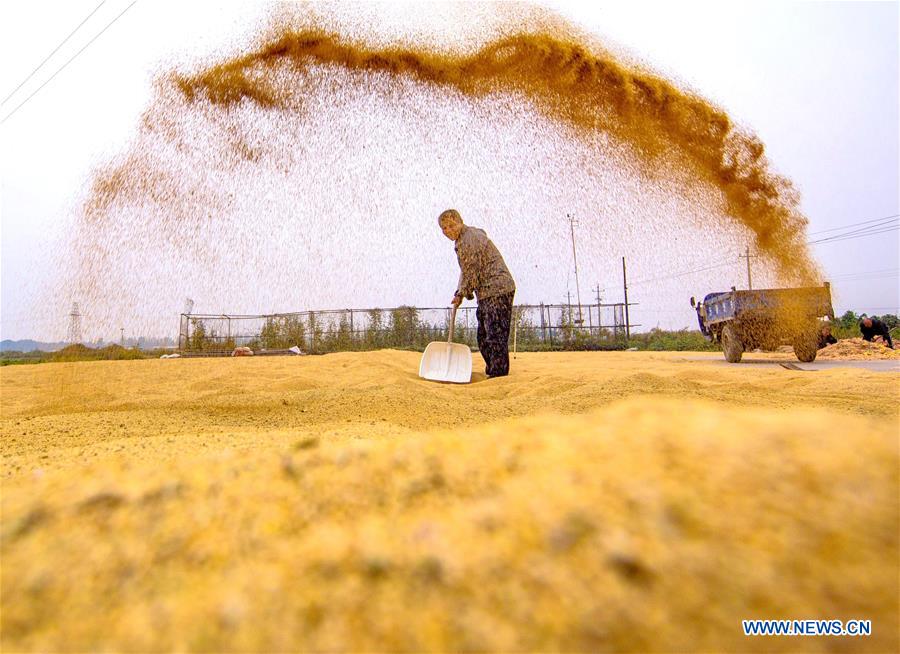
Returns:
(457, 300)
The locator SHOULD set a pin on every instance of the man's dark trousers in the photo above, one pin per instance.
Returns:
(494, 316)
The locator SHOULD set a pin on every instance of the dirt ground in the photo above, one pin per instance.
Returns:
(624, 501)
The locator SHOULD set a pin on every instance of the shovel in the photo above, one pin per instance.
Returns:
(447, 362)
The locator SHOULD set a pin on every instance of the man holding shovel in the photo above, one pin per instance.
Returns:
(484, 273)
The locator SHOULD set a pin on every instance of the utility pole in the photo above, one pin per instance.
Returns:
(625, 291)
(572, 223)
(748, 256)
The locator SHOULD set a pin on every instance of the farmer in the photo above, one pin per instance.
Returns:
(872, 327)
(484, 273)
(825, 337)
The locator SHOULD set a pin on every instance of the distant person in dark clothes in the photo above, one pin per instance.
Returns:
(825, 337)
(872, 327)
(483, 272)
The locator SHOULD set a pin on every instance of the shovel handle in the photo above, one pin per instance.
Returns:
(452, 323)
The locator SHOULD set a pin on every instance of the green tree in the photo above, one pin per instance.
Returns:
(524, 333)
(848, 321)
(374, 337)
(197, 341)
(294, 332)
(314, 332)
(269, 334)
(566, 326)
(341, 339)
(403, 327)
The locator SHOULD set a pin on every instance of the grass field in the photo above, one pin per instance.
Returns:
(627, 501)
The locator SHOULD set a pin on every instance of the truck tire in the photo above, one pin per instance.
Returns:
(731, 344)
(806, 347)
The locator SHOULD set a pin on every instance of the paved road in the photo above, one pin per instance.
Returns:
(873, 366)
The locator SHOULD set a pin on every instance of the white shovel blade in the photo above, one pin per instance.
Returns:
(448, 362)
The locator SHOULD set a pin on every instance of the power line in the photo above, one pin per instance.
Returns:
(850, 278)
(59, 70)
(861, 230)
(867, 272)
(851, 236)
(55, 50)
(882, 223)
(863, 222)
(863, 278)
(875, 227)
(683, 273)
(858, 230)
(869, 227)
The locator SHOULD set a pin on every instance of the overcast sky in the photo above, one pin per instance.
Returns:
(818, 82)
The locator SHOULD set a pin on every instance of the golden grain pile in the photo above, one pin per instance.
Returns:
(857, 348)
(590, 501)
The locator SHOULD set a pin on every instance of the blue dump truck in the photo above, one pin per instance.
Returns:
(765, 319)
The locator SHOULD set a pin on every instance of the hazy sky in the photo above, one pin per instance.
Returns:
(818, 82)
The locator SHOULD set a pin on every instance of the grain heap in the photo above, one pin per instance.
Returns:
(339, 503)
(857, 348)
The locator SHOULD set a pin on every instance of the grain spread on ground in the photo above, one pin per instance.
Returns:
(857, 348)
(590, 501)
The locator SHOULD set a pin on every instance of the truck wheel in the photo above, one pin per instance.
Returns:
(731, 344)
(806, 347)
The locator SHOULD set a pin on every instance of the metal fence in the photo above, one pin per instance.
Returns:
(535, 327)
